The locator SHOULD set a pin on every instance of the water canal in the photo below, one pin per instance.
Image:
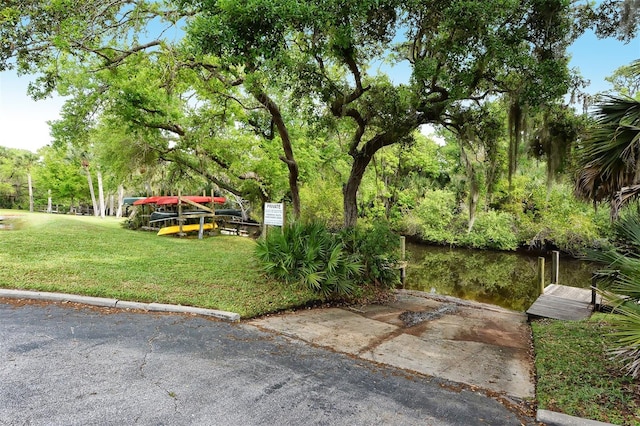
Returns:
(507, 279)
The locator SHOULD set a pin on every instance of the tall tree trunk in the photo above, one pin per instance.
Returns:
(120, 200)
(111, 205)
(288, 157)
(101, 193)
(474, 192)
(49, 208)
(92, 191)
(30, 192)
(516, 128)
(350, 190)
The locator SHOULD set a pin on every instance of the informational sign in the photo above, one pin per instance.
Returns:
(274, 214)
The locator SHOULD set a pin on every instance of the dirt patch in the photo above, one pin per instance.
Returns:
(411, 318)
(493, 333)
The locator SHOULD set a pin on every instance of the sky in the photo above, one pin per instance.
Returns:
(23, 121)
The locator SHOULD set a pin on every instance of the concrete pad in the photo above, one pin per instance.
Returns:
(472, 363)
(338, 329)
(476, 344)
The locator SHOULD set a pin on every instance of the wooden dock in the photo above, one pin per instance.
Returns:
(563, 303)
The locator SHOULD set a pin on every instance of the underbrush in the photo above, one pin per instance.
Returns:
(531, 219)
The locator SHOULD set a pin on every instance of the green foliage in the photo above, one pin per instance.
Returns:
(608, 157)
(309, 255)
(626, 80)
(321, 202)
(379, 248)
(436, 213)
(557, 218)
(493, 230)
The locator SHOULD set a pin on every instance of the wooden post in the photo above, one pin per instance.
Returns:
(403, 268)
(180, 214)
(201, 231)
(541, 274)
(594, 288)
(555, 266)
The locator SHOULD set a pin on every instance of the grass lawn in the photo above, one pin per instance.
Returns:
(577, 377)
(96, 257)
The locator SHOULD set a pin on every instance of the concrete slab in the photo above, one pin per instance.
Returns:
(339, 329)
(475, 344)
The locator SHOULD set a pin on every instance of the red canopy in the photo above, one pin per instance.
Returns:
(172, 199)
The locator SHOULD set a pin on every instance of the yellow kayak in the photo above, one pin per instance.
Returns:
(168, 230)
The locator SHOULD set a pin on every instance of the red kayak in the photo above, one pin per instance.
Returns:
(173, 199)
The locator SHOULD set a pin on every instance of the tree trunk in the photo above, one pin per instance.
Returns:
(473, 199)
(350, 190)
(30, 192)
(49, 209)
(288, 157)
(474, 190)
(93, 193)
(120, 200)
(101, 194)
(111, 205)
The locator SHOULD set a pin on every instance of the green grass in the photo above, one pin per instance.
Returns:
(577, 377)
(96, 257)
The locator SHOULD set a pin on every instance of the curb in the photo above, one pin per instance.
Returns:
(551, 418)
(120, 304)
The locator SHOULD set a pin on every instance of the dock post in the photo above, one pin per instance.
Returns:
(541, 274)
(555, 266)
(403, 269)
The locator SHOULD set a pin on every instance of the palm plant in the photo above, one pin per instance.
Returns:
(610, 156)
(622, 290)
(308, 254)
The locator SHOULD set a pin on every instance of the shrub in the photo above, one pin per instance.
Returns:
(492, 229)
(321, 203)
(436, 213)
(379, 248)
(308, 254)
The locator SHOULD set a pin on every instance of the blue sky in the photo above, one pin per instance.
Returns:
(24, 121)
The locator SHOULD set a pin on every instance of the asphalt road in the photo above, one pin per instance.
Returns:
(68, 365)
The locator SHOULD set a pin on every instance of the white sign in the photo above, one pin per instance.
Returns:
(274, 214)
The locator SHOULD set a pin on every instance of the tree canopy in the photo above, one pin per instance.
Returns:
(241, 94)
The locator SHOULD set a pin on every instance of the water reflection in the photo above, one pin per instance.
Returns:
(499, 278)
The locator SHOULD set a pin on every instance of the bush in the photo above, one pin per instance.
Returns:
(436, 213)
(492, 229)
(321, 203)
(308, 254)
(379, 248)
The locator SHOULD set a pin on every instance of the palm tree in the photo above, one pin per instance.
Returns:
(622, 290)
(610, 156)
